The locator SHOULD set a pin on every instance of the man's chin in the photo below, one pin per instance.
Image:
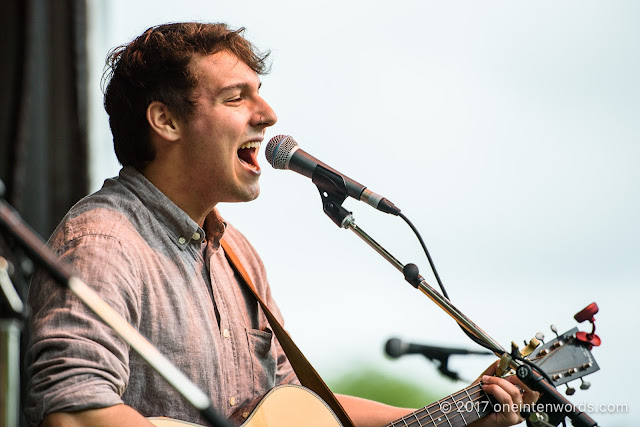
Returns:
(246, 196)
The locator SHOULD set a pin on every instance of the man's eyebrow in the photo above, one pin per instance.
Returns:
(241, 86)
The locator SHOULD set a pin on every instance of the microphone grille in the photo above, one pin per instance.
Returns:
(395, 347)
(278, 151)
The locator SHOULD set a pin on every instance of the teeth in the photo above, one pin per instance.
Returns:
(250, 145)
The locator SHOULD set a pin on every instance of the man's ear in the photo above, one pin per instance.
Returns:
(162, 121)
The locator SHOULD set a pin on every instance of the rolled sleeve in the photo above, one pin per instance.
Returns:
(73, 360)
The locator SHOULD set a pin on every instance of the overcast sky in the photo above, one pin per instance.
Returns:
(508, 132)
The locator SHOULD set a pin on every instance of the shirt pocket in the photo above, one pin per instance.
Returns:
(262, 349)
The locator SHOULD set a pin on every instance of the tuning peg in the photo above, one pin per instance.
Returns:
(538, 419)
(554, 329)
(540, 336)
(570, 390)
(585, 384)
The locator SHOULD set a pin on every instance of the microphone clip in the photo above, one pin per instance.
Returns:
(442, 363)
(333, 192)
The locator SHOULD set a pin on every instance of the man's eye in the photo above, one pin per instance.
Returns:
(237, 99)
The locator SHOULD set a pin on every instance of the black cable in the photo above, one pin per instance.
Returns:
(469, 334)
(437, 276)
(474, 338)
(426, 251)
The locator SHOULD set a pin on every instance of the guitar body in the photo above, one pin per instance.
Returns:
(283, 406)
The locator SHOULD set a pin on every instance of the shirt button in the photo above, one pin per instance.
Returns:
(232, 401)
(196, 236)
(225, 333)
(245, 415)
(182, 240)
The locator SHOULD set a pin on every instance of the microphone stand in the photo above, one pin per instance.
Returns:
(14, 226)
(333, 193)
(10, 328)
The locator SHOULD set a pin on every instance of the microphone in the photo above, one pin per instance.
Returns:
(395, 348)
(283, 152)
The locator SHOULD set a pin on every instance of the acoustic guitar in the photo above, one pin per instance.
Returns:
(563, 359)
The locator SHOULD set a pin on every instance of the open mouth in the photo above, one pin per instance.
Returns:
(248, 155)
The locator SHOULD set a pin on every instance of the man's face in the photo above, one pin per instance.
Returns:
(223, 136)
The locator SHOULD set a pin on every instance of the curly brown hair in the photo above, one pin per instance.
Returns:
(155, 67)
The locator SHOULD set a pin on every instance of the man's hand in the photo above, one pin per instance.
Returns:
(510, 393)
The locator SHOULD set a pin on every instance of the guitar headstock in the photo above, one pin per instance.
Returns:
(568, 356)
(565, 358)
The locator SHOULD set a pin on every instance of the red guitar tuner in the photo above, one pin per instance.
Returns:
(588, 313)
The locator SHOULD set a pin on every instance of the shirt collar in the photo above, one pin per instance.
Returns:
(182, 229)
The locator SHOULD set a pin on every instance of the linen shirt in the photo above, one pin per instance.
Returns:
(157, 268)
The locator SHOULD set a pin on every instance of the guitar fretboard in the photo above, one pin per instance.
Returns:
(457, 410)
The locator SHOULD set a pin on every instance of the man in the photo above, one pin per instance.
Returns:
(187, 121)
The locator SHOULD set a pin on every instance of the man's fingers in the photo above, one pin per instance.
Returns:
(508, 396)
(528, 396)
(491, 370)
(501, 384)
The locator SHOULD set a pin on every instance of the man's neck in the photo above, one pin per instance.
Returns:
(180, 191)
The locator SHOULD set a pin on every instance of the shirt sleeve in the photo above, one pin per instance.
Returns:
(73, 361)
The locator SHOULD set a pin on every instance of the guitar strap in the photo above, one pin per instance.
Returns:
(307, 375)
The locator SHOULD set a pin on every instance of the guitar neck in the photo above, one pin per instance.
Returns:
(457, 410)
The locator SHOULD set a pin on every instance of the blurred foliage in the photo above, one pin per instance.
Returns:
(371, 383)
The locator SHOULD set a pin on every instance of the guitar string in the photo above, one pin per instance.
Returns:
(427, 409)
(457, 412)
(546, 357)
(447, 418)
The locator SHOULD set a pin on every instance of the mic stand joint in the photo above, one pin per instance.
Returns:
(333, 193)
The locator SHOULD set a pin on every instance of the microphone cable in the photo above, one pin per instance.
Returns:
(441, 285)
(469, 334)
(426, 251)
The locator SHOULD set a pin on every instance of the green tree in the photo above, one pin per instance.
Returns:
(372, 383)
